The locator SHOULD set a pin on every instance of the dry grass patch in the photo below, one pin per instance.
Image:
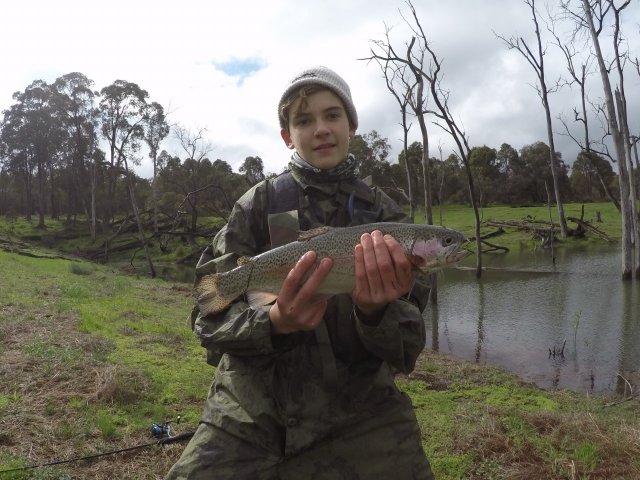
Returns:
(53, 378)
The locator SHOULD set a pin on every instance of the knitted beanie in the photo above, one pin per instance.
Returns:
(327, 78)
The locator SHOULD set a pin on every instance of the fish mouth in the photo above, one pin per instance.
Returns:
(455, 253)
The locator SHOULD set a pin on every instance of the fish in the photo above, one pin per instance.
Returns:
(429, 248)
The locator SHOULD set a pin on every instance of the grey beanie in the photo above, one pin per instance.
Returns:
(327, 78)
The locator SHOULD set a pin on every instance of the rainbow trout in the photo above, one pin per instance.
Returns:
(428, 247)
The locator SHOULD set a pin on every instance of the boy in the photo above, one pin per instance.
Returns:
(304, 387)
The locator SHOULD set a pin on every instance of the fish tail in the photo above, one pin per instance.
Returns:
(213, 293)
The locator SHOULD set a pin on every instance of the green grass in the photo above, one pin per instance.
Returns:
(114, 354)
(92, 357)
(460, 217)
(480, 422)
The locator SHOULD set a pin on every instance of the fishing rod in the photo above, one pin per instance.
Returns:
(163, 432)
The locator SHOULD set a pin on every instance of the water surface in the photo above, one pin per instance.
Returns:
(525, 308)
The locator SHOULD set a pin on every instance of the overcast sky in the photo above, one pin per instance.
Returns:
(222, 65)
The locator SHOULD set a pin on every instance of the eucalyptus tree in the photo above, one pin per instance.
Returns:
(156, 129)
(18, 159)
(511, 167)
(412, 160)
(533, 173)
(76, 105)
(33, 140)
(123, 106)
(123, 111)
(591, 177)
(535, 58)
(253, 170)
(484, 165)
(372, 152)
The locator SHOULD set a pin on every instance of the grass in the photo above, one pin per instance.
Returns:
(91, 358)
(460, 217)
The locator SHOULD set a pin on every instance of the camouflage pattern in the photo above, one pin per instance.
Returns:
(316, 405)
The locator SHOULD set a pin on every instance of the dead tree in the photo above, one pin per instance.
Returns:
(591, 17)
(441, 112)
(536, 60)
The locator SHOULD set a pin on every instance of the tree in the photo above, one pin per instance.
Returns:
(484, 165)
(372, 151)
(75, 102)
(253, 170)
(33, 140)
(535, 173)
(592, 17)
(156, 128)
(411, 159)
(591, 176)
(395, 75)
(536, 60)
(18, 157)
(397, 65)
(193, 181)
(123, 110)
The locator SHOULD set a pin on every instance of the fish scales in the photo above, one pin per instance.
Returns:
(428, 247)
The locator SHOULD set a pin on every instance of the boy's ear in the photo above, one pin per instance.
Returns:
(286, 137)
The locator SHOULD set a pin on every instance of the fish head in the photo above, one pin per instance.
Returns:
(442, 248)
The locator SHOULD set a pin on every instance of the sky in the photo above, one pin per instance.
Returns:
(222, 66)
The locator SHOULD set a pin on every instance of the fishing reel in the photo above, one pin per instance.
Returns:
(164, 430)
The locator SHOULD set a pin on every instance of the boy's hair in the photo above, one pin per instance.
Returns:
(311, 81)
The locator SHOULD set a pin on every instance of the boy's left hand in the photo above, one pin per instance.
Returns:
(383, 273)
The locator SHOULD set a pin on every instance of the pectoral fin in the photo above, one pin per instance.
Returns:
(259, 299)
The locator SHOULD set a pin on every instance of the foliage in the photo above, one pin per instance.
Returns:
(51, 164)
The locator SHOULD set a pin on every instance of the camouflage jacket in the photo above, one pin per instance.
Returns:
(286, 392)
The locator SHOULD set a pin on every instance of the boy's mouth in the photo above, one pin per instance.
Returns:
(324, 146)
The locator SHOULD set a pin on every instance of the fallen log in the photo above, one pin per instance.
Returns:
(591, 229)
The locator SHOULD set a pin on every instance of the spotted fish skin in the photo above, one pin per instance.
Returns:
(428, 247)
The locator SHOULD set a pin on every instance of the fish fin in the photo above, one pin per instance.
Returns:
(243, 261)
(314, 232)
(258, 299)
(208, 295)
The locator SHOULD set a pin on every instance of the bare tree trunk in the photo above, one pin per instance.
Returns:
(143, 239)
(635, 236)
(93, 201)
(154, 195)
(618, 141)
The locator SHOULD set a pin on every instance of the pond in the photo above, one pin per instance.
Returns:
(573, 325)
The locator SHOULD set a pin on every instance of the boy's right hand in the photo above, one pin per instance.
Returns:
(299, 306)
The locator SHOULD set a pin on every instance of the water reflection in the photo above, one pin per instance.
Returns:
(525, 306)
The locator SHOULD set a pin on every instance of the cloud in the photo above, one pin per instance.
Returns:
(222, 65)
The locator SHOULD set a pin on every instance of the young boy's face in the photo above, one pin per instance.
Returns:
(319, 129)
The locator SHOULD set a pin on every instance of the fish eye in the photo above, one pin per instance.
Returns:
(447, 240)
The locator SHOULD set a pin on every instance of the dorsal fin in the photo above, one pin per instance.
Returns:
(314, 232)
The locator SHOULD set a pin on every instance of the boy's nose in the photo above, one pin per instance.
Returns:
(321, 129)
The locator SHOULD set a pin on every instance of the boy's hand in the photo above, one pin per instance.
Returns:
(383, 274)
(298, 306)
